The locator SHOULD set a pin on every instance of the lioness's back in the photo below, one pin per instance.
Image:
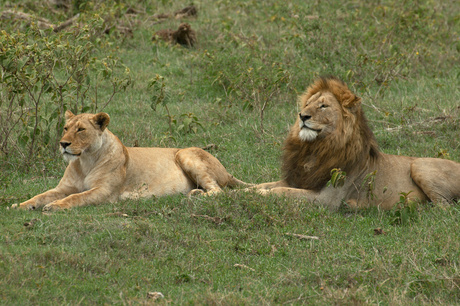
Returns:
(145, 165)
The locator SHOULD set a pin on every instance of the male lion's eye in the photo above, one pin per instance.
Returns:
(322, 106)
(80, 129)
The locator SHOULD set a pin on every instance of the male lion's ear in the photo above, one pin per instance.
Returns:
(351, 101)
(102, 120)
(68, 115)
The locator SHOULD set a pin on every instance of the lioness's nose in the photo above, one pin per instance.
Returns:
(64, 144)
(304, 117)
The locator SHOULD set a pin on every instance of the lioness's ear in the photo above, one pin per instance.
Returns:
(102, 120)
(68, 115)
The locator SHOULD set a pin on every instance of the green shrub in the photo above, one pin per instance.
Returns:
(42, 75)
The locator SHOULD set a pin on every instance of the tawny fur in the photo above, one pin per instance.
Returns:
(331, 132)
(184, 35)
(335, 151)
(101, 169)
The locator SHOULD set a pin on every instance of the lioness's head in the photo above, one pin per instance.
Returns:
(323, 108)
(82, 134)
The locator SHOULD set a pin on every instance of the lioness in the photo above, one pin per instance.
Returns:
(102, 169)
(331, 132)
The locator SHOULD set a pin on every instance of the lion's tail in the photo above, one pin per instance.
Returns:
(234, 182)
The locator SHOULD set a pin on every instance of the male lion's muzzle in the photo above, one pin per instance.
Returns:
(306, 124)
(304, 118)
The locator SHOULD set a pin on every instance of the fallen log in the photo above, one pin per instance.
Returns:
(42, 23)
(66, 23)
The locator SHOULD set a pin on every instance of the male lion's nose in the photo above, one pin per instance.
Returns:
(304, 117)
(64, 144)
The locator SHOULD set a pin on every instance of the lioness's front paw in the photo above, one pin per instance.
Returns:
(195, 192)
(55, 206)
(19, 206)
(51, 207)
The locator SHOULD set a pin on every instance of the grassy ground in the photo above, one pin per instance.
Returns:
(238, 248)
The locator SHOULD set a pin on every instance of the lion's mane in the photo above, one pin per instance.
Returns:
(308, 165)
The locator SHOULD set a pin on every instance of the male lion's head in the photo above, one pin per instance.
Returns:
(82, 134)
(330, 132)
(323, 107)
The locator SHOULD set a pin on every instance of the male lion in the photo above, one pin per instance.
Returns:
(331, 132)
(102, 169)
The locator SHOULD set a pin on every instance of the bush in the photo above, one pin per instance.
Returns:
(43, 74)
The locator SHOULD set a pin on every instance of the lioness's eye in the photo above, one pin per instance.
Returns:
(80, 129)
(65, 129)
(322, 106)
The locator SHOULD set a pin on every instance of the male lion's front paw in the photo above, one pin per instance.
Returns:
(263, 191)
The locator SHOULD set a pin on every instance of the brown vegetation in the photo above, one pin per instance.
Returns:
(184, 35)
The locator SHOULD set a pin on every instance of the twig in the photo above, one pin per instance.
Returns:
(117, 214)
(424, 123)
(302, 237)
(243, 267)
(216, 220)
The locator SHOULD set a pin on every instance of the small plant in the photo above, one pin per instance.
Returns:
(189, 123)
(404, 210)
(160, 95)
(254, 82)
(338, 178)
(442, 153)
(369, 185)
(257, 90)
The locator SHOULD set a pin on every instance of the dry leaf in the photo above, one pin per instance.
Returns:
(155, 295)
(31, 223)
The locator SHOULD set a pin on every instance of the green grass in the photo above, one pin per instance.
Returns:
(168, 245)
(400, 57)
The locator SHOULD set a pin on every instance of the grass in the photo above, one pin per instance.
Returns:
(169, 245)
(237, 248)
